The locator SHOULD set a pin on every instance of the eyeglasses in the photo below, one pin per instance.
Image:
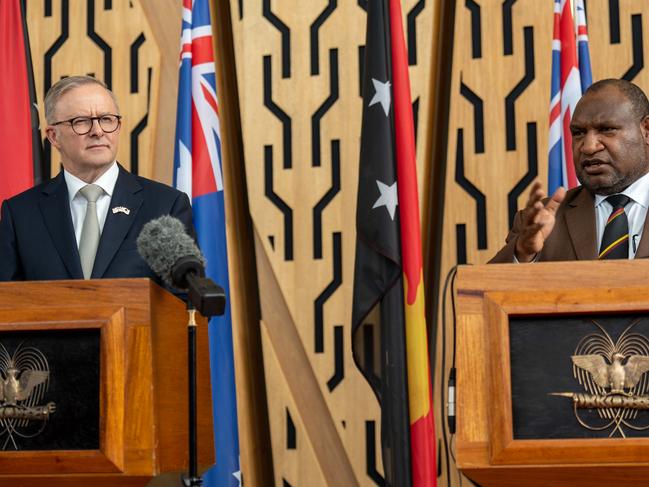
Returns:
(82, 125)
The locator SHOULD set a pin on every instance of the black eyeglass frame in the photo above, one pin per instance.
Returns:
(92, 120)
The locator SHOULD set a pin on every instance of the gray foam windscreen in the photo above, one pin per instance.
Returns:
(162, 242)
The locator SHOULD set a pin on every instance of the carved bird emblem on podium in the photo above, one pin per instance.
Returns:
(17, 386)
(617, 375)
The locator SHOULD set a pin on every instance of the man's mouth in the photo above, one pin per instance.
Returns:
(99, 146)
(593, 166)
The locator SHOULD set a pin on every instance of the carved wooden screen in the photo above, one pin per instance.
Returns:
(298, 69)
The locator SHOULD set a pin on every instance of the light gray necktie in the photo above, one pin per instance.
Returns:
(90, 232)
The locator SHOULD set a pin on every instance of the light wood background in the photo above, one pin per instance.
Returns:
(289, 86)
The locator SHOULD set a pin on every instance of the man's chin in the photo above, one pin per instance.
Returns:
(603, 187)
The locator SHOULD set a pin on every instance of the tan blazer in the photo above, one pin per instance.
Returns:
(574, 236)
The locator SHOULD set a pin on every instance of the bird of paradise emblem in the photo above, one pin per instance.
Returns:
(24, 380)
(613, 374)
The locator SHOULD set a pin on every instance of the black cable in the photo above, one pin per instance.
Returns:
(445, 424)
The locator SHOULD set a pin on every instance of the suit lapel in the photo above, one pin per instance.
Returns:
(55, 208)
(580, 218)
(117, 224)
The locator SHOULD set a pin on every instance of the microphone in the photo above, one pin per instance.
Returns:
(174, 256)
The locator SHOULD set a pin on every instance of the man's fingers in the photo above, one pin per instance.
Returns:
(554, 202)
(536, 194)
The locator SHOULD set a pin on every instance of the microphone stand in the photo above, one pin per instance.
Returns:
(193, 479)
(209, 300)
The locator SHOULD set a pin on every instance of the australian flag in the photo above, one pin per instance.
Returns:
(571, 76)
(198, 172)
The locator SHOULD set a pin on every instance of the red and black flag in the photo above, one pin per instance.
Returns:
(388, 305)
(20, 164)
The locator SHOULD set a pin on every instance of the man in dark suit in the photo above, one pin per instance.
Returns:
(610, 145)
(83, 223)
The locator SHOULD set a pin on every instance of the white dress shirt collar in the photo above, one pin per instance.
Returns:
(638, 192)
(106, 181)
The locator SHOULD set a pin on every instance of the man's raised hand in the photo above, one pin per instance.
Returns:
(538, 222)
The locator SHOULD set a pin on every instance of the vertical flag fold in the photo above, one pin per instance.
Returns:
(19, 137)
(198, 172)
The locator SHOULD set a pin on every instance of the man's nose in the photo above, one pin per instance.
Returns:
(95, 128)
(591, 143)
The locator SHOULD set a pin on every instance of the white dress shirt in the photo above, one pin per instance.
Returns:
(636, 212)
(78, 203)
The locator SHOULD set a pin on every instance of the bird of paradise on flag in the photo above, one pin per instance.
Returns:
(571, 76)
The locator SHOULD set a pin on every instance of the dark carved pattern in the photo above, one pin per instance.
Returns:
(411, 25)
(478, 116)
(614, 20)
(326, 199)
(370, 453)
(279, 203)
(102, 44)
(508, 41)
(324, 108)
(532, 172)
(286, 38)
(476, 29)
(510, 99)
(638, 50)
(278, 112)
(134, 51)
(472, 190)
(336, 281)
(315, 40)
(139, 128)
(339, 361)
(291, 434)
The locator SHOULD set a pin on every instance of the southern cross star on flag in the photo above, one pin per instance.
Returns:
(571, 76)
(198, 172)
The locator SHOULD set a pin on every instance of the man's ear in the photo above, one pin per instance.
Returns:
(53, 136)
(644, 128)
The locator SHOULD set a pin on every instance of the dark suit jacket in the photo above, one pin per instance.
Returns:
(574, 236)
(37, 239)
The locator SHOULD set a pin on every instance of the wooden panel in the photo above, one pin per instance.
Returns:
(486, 297)
(298, 70)
(143, 414)
(297, 460)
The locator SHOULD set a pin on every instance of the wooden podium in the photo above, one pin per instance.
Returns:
(142, 381)
(490, 300)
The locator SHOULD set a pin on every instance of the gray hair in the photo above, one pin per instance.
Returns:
(64, 85)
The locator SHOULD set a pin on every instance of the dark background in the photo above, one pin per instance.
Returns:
(73, 357)
(540, 364)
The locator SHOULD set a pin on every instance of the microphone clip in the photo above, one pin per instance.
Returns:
(204, 294)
